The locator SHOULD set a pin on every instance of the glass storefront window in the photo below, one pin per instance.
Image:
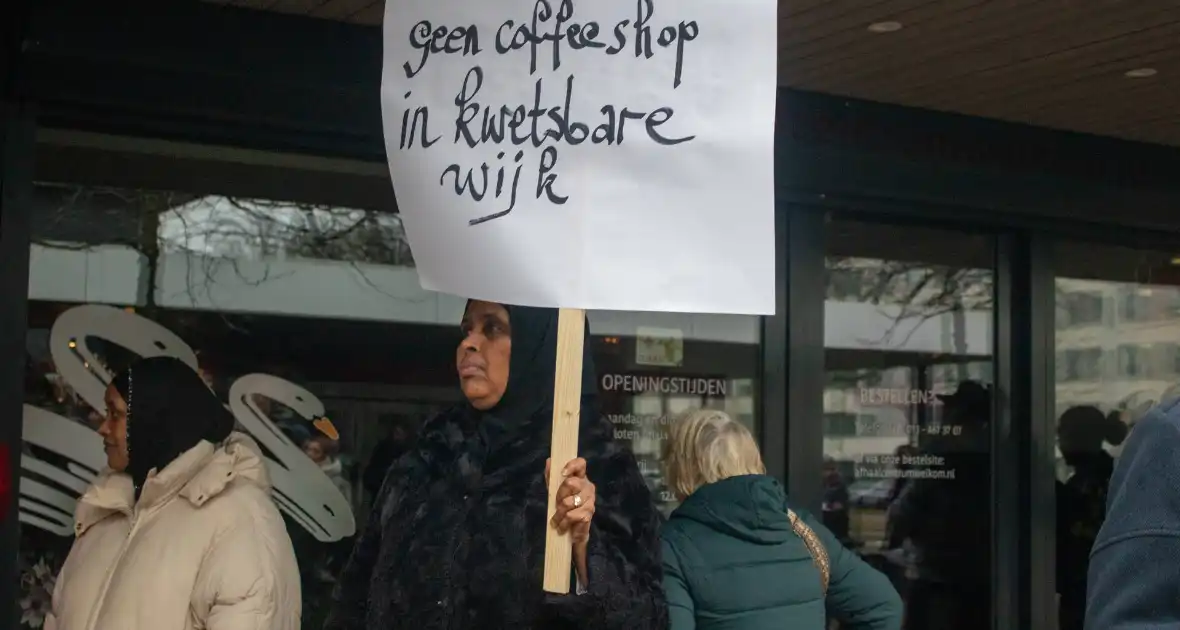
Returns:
(653, 366)
(1117, 356)
(293, 312)
(907, 406)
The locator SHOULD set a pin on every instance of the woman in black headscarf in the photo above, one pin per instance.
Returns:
(180, 530)
(456, 538)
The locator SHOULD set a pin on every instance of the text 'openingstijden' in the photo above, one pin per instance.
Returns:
(529, 136)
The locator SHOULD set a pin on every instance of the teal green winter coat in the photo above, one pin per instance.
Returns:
(733, 562)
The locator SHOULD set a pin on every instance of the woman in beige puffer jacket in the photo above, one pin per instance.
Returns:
(181, 533)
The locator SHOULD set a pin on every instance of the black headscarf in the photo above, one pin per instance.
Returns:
(169, 411)
(528, 397)
(510, 437)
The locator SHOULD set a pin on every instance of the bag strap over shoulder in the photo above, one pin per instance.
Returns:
(819, 555)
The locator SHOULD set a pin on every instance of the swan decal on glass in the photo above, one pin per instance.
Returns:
(65, 456)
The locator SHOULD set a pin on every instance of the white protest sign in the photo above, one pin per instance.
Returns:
(594, 154)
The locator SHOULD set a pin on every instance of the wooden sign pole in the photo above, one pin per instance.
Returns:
(567, 404)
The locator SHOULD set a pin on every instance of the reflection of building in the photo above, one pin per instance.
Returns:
(303, 287)
(1117, 348)
(903, 342)
(855, 427)
(1118, 345)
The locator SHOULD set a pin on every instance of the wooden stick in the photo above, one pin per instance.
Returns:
(567, 404)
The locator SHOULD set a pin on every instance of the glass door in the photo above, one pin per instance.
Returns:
(908, 332)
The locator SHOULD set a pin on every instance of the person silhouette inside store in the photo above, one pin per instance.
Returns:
(1081, 501)
(894, 561)
(836, 502)
(401, 431)
(903, 453)
(944, 517)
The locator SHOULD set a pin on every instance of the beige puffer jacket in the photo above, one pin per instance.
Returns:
(204, 549)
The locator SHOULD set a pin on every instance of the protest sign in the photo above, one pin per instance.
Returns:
(605, 154)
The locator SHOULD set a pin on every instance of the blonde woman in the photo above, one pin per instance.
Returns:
(737, 556)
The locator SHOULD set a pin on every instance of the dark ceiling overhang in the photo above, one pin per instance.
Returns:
(217, 75)
(1062, 65)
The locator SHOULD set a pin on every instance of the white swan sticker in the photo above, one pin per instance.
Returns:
(65, 456)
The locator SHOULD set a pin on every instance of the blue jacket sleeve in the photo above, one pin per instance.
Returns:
(1132, 577)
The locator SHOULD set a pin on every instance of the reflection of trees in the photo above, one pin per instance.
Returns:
(912, 289)
(260, 229)
(911, 293)
(81, 218)
(215, 231)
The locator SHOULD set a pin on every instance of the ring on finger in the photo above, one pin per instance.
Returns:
(577, 500)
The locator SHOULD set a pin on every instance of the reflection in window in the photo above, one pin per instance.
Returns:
(1139, 304)
(840, 424)
(1108, 376)
(325, 299)
(1143, 359)
(1081, 308)
(1131, 361)
(907, 403)
(177, 250)
(845, 283)
(260, 229)
(73, 217)
(646, 380)
(1083, 364)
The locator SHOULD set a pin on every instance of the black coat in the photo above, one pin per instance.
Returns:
(456, 546)
(456, 538)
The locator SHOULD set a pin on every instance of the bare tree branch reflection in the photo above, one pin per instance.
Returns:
(216, 233)
(910, 293)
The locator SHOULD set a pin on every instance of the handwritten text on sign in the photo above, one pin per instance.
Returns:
(551, 30)
(563, 121)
